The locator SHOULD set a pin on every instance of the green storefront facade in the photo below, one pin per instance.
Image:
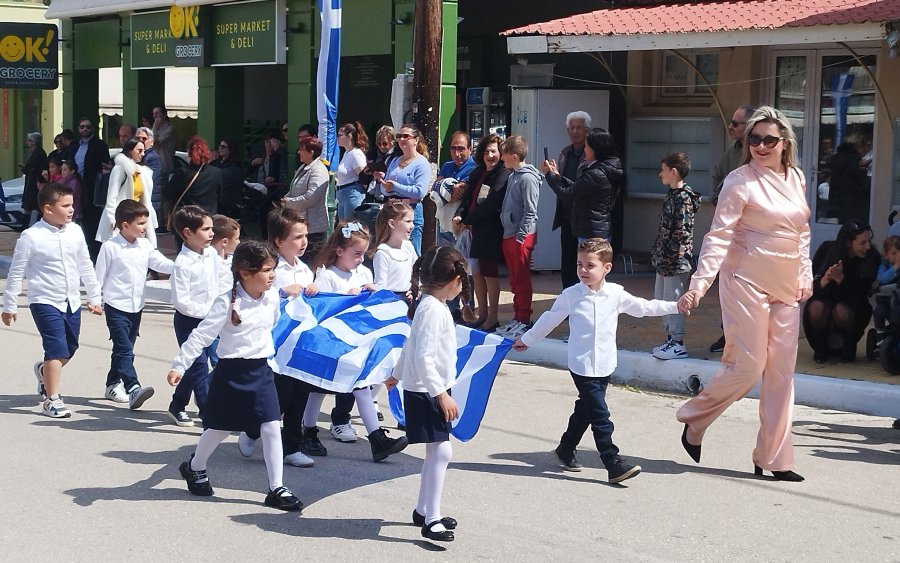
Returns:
(255, 60)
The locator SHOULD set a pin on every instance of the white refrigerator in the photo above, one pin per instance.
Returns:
(539, 115)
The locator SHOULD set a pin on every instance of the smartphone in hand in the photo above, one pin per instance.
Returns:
(546, 154)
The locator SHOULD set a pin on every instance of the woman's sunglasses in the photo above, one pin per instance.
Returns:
(768, 141)
(402, 136)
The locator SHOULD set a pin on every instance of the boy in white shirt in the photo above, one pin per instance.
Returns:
(122, 270)
(195, 285)
(53, 256)
(593, 307)
(226, 237)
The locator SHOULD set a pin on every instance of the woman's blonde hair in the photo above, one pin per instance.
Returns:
(768, 114)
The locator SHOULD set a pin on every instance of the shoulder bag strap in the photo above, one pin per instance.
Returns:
(184, 193)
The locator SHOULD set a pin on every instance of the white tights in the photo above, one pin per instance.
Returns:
(269, 432)
(434, 469)
(364, 405)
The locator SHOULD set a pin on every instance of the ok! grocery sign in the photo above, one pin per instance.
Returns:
(29, 55)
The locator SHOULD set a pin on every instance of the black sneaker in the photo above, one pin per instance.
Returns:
(620, 470)
(896, 424)
(567, 457)
(718, 345)
(383, 446)
(180, 418)
(197, 481)
(283, 499)
(310, 443)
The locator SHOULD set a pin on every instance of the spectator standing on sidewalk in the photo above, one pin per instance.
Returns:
(578, 123)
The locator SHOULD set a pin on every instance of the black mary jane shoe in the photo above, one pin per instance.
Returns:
(419, 520)
(445, 535)
(789, 476)
(691, 449)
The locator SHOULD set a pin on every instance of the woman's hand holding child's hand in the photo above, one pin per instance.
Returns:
(173, 378)
(688, 301)
(519, 346)
(447, 406)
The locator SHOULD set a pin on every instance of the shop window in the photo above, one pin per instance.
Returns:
(679, 82)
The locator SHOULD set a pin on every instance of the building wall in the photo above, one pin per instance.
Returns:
(888, 77)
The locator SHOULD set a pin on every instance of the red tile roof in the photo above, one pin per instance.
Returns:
(717, 16)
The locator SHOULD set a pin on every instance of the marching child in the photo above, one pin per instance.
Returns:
(226, 237)
(122, 270)
(242, 395)
(287, 229)
(394, 257)
(593, 307)
(340, 270)
(427, 370)
(195, 284)
(673, 249)
(53, 256)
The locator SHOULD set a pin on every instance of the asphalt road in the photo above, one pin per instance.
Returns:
(104, 485)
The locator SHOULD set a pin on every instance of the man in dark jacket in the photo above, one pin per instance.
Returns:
(90, 155)
(578, 123)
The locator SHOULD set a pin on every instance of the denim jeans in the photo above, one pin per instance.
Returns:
(123, 332)
(418, 223)
(196, 377)
(347, 199)
(591, 410)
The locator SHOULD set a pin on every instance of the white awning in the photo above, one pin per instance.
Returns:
(181, 92)
(82, 8)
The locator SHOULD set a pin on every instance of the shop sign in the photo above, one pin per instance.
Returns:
(239, 33)
(29, 55)
(248, 33)
(176, 37)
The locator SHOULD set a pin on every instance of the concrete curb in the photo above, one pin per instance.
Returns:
(643, 370)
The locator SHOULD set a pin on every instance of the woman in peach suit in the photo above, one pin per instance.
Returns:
(758, 243)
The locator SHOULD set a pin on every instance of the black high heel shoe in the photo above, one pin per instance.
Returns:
(445, 535)
(691, 449)
(780, 475)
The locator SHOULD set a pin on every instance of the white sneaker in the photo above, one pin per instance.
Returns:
(343, 433)
(246, 445)
(116, 393)
(299, 459)
(509, 328)
(671, 351)
(56, 408)
(518, 331)
(138, 396)
(661, 346)
(39, 375)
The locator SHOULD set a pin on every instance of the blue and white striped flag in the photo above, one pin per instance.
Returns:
(344, 342)
(327, 78)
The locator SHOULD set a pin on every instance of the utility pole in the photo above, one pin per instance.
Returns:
(427, 93)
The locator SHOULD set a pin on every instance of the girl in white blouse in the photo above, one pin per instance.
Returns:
(242, 395)
(395, 254)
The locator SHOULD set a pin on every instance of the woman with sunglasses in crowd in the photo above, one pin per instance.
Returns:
(408, 178)
(758, 244)
(129, 179)
(840, 301)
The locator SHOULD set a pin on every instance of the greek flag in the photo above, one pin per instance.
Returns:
(327, 78)
(344, 342)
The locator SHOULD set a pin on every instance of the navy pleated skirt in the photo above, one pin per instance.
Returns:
(425, 422)
(242, 396)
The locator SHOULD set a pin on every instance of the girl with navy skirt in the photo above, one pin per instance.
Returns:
(242, 394)
(427, 369)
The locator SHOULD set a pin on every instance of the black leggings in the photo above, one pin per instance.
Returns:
(822, 317)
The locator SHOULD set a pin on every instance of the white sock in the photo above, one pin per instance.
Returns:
(434, 470)
(313, 408)
(366, 409)
(270, 434)
(209, 441)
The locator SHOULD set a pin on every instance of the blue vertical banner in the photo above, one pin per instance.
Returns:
(841, 89)
(327, 79)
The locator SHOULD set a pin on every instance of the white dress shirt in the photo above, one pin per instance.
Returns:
(427, 363)
(593, 318)
(122, 271)
(251, 339)
(55, 261)
(286, 275)
(333, 280)
(195, 281)
(226, 278)
(393, 266)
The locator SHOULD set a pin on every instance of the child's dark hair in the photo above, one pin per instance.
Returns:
(128, 210)
(679, 162)
(599, 247)
(391, 210)
(281, 221)
(189, 217)
(249, 256)
(224, 227)
(891, 243)
(51, 192)
(436, 268)
(355, 231)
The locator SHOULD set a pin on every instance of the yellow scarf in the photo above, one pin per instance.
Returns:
(138, 186)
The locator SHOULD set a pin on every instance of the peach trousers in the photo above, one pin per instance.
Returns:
(760, 343)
